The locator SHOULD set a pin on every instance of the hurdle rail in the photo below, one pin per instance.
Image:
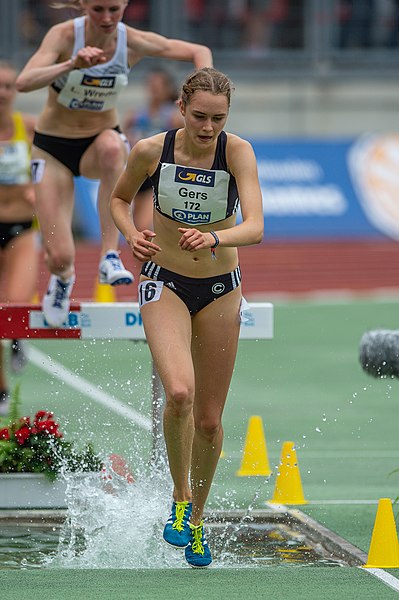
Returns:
(117, 321)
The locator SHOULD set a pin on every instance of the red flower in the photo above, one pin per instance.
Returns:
(43, 415)
(49, 426)
(40, 415)
(22, 434)
(4, 434)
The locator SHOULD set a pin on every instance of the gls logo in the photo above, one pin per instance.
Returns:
(195, 176)
(101, 82)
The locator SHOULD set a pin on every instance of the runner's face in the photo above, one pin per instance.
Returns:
(7, 87)
(105, 14)
(205, 116)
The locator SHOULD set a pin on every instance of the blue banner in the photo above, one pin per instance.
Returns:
(319, 189)
(307, 191)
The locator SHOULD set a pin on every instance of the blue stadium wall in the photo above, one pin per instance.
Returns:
(311, 189)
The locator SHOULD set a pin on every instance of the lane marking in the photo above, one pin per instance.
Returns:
(333, 454)
(385, 577)
(327, 535)
(83, 386)
(329, 297)
(339, 502)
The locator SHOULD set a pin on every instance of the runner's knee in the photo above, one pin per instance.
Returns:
(208, 427)
(180, 399)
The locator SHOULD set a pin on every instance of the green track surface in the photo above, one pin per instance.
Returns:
(308, 387)
(212, 584)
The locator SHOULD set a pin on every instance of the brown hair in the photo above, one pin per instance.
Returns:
(207, 79)
(70, 4)
(76, 4)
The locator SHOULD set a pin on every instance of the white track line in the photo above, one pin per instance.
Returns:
(334, 454)
(339, 502)
(380, 574)
(83, 386)
(329, 297)
(385, 577)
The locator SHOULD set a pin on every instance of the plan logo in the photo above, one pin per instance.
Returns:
(86, 104)
(191, 217)
(195, 176)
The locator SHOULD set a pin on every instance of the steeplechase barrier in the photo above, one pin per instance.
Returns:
(117, 321)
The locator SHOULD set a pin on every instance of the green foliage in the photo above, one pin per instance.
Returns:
(39, 446)
(14, 411)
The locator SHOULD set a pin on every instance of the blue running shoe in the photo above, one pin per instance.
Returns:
(197, 552)
(177, 529)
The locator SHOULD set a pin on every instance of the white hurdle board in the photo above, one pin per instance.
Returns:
(122, 320)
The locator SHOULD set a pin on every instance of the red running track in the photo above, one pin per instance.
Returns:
(273, 268)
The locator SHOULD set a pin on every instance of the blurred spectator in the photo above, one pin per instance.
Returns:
(368, 24)
(38, 16)
(160, 113)
(254, 25)
(356, 19)
(18, 248)
(262, 22)
(137, 14)
(390, 25)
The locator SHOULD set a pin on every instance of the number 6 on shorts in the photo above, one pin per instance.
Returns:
(149, 291)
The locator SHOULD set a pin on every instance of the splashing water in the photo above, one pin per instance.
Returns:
(113, 524)
(230, 537)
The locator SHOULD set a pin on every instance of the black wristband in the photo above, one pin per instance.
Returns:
(216, 239)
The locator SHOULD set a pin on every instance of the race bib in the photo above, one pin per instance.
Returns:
(92, 93)
(37, 169)
(149, 291)
(193, 196)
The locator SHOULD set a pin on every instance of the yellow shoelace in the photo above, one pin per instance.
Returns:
(180, 510)
(197, 546)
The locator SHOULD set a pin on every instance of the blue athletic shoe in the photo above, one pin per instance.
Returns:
(197, 551)
(177, 529)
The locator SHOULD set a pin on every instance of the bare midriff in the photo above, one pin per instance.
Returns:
(14, 203)
(63, 122)
(192, 264)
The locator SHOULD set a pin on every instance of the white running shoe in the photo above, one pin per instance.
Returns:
(56, 301)
(112, 271)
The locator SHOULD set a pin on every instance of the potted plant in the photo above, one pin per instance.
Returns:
(33, 452)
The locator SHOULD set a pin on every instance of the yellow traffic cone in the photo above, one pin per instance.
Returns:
(104, 293)
(35, 298)
(288, 489)
(254, 460)
(384, 546)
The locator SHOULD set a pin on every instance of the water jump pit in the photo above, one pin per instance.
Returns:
(32, 539)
